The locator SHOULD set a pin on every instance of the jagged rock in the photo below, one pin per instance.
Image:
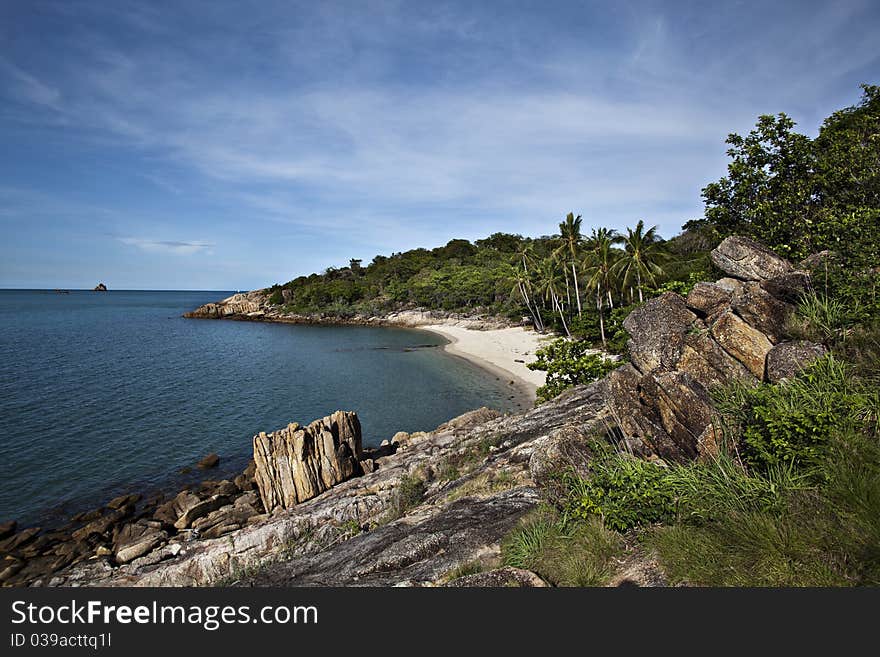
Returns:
(242, 304)
(761, 310)
(684, 406)
(748, 345)
(657, 331)
(223, 487)
(15, 541)
(787, 359)
(203, 508)
(708, 299)
(788, 287)
(135, 540)
(729, 284)
(368, 466)
(210, 461)
(748, 260)
(169, 512)
(639, 421)
(228, 517)
(123, 500)
(565, 450)
(419, 551)
(500, 577)
(297, 463)
(7, 529)
(100, 287)
(245, 481)
(103, 524)
(707, 362)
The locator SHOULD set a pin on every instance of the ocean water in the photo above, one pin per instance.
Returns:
(105, 393)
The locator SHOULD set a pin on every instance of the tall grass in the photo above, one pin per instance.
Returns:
(563, 553)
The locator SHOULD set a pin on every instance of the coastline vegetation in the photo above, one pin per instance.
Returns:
(793, 496)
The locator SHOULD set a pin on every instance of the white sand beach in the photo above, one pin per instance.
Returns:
(503, 351)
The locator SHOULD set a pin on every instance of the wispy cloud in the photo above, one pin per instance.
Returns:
(173, 247)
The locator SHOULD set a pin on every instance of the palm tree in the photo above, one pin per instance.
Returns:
(548, 281)
(570, 240)
(523, 285)
(598, 265)
(643, 252)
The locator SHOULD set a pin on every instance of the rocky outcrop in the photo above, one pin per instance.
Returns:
(100, 287)
(243, 304)
(681, 348)
(748, 260)
(297, 463)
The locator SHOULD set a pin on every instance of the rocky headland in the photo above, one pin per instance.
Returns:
(315, 508)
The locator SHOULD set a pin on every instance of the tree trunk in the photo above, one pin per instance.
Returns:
(601, 318)
(639, 284)
(561, 314)
(577, 292)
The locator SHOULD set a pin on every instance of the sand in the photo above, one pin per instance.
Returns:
(504, 352)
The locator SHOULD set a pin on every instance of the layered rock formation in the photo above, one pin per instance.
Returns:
(297, 463)
(680, 348)
(243, 304)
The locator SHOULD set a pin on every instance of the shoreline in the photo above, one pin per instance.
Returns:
(501, 352)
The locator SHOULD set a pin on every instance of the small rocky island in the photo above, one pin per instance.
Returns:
(100, 287)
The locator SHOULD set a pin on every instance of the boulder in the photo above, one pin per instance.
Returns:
(684, 407)
(704, 359)
(657, 331)
(169, 512)
(123, 500)
(501, 577)
(761, 310)
(210, 461)
(636, 417)
(15, 541)
(297, 463)
(7, 529)
(748, 260)
(748, 345)
(708, 299)
(135, 540)
(787, 359)
(104, 524)
(203, 508)
(788, 287)
(566, 449)
(245, 481)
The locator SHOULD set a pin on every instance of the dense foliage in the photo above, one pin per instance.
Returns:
(801, 196)
(569, 363)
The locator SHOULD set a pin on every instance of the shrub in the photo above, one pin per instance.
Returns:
(623, 491)
(409, 493)
(569, 363)
(791, 422)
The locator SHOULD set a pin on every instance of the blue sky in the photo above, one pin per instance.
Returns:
(213, 145)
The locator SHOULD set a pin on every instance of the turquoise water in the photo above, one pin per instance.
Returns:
(103, 393)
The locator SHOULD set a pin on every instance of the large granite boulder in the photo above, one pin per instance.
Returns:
(657, 331)
(137, 539)
(745, 343)
(761, 310)
(297, 463)
(787, 359)
(748, 260)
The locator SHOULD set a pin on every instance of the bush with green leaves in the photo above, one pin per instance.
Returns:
(791, 422)
(569, 363)
(623, 491)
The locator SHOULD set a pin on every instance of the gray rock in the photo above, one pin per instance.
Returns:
(761, 310)
(748, 260)
(787, 359)
(501, 577)
(135, 540)
(657, 331)
(708, 299)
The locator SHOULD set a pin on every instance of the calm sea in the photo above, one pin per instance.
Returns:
(104, 393)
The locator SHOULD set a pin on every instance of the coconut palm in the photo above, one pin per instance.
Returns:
(569, 243)
(548, 286)
(599, 261)
(640, 262)
(523, 285)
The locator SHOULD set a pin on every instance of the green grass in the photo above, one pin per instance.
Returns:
(563, 554)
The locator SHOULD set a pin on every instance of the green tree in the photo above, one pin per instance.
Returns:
(599, 261)
(569, 248)
(640, 261)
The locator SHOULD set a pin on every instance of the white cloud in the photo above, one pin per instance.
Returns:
(173, 247)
